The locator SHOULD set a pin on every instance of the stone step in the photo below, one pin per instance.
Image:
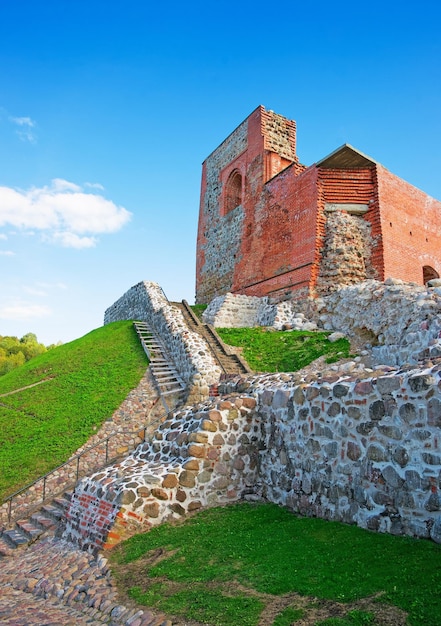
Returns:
(62, 503)
(44, 522)
(15, 538)
(5, 548)
(29, 530)
(52, 512)
(170, 391)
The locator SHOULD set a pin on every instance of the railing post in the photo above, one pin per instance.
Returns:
(78, 466)
(44, 488)
(10, 511)
(107, 449)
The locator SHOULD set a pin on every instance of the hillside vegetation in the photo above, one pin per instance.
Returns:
(64, 396)
(268, 350)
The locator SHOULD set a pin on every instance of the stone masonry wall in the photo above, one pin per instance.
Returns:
(346, 252)
(401, 321)
(221, 237)
(189, 352)
(363, 452)
(201, 456)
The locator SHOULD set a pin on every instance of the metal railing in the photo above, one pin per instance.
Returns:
(40, 485)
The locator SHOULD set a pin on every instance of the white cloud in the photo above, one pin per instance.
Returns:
(7, 253)
(2, 236)
(51, 285)
(94, 186)
(23, 311)
(72, 240)
(23, 121)
(25, 129)
(33, 291)
(62, 212)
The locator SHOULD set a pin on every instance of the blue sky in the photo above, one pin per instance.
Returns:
(107, 110)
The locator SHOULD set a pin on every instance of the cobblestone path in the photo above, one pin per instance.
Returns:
(53, 584)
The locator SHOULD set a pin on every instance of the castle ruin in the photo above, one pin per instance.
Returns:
(270, 226)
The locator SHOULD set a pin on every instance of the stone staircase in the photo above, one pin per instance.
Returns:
(42, 522)
(231, 363)
(167, 378)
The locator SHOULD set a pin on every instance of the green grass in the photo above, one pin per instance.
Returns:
(268, 350)
(353, 618)
(288, 616)
(86, 380)
(238, 552)
(198, 309)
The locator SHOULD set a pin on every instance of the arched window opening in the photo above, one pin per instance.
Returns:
(429, 274)
(233, 194)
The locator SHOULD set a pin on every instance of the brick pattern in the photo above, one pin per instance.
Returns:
(273, 245)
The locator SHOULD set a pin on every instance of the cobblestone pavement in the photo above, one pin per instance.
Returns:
(53, 584)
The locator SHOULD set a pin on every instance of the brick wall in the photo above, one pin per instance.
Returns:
(272, 243)
(411, 228)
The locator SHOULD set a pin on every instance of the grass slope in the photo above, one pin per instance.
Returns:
(268, 350)
(85, 381)
(225, 565)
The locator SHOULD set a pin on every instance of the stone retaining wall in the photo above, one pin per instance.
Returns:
(364, 452)
(202, 456)
(400, 321)
(189, 352)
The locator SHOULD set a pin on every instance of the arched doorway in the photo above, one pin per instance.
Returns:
(429, 273)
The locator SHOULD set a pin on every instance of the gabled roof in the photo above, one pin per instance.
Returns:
(346, 157)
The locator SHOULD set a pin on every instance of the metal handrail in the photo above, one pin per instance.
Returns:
(76, 458)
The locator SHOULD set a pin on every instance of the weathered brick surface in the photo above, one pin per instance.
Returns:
(276, 241)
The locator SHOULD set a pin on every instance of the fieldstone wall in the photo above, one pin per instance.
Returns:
(400, 322)
(364, 452)
(361, 451)
(346, 252)
(239, 311)
(188, 350)
(222, 239)
(202, 456)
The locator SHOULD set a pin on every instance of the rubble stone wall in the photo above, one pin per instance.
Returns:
(189, 352)
(202, 456)
(363, 452)
(346, 252)
(400, 321)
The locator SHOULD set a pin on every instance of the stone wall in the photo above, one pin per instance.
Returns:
(239, 311)
(361, 451)
(202, 456)
(346, 252)
(221, 240)
(400, 321)
(189, 352)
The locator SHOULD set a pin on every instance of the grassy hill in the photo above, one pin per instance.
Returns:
(61, 398)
